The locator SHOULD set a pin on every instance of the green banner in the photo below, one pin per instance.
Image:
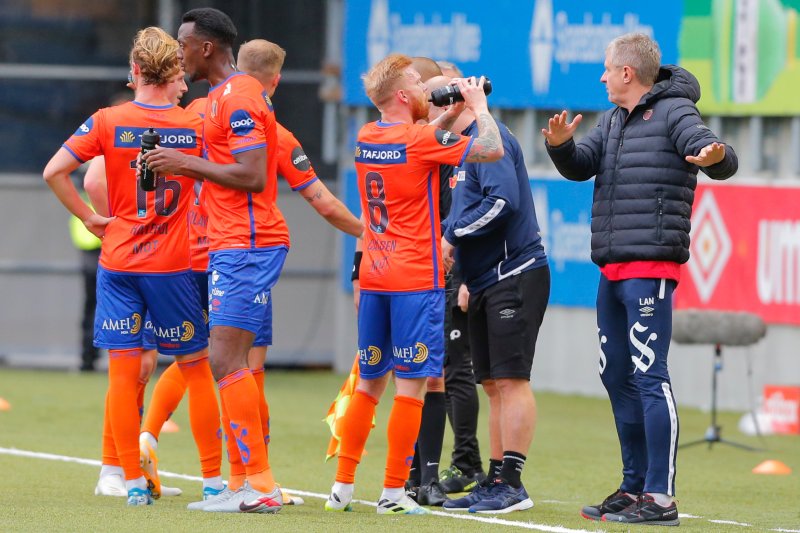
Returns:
(745, 55)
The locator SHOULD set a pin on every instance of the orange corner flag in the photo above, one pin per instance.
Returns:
(170, 427)
(773, 467)
(4, 405)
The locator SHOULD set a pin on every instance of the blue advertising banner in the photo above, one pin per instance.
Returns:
(543, 53)
(564, 212)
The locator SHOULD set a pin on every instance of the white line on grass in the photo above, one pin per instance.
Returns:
(460, 516)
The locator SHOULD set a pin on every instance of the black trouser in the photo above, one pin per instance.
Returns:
(461, 395)
(89, 354)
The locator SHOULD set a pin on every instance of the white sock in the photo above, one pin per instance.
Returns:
(343, 490)
(108, 470)
(393, 494)
(146, 436)
(213, 482)
(664, 500)
(138, 483)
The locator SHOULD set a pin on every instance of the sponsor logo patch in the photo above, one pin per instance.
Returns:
(446, 138)
(84, 128)
(387, 154)
(242, 123)
(300, 159)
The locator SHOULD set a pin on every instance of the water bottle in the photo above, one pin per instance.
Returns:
(449, 94)
(147, 178)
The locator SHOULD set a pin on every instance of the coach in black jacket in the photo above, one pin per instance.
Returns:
(645, 153)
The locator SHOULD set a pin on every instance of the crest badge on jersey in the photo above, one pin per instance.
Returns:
(647, 114)
(461, 175)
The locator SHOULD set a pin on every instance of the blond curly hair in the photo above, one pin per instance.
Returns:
(156, 53)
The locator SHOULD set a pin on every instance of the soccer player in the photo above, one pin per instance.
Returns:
(247, 235)
(144, 262)
(263, 60)
(401, 309)
(204, 419)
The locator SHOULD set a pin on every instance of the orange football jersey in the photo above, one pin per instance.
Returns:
(398, 181)
(198, 219)
(238, 118)
(149, 233)
(293, 164)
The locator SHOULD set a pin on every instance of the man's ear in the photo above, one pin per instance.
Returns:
(208, 48)
(627, 74)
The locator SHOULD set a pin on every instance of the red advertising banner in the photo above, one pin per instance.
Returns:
(745, 252)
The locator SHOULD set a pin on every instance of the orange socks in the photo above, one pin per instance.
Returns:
(403, 430)
(263, 406)
(240, 395)
(237, 474)
(109, 449)
(167, 394)
(203, 413)
(123, 386)
(356, 425)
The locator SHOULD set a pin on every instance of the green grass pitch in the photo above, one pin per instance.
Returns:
(574, 460)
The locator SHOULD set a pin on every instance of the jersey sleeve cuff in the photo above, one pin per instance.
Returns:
(306, 184)
(73, 154)
(466, 151)
(248, 148)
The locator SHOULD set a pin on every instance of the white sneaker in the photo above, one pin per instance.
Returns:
(339, 502)
(211, 498)
(111, 485)
(170, 491)
(248, 500)
(404, 505)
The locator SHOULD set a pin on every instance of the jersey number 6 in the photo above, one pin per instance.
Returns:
(162, 208)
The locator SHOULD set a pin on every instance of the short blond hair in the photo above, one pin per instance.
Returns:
(381, 80)
(638, 51)
(156, 53)
(261, 56)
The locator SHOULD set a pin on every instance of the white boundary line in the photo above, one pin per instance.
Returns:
(460, 516)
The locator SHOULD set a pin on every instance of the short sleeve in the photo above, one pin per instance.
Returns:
(86, 142)
(293, 163)
(244, 120)
(442, 146)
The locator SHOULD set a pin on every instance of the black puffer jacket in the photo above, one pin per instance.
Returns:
(644, 189)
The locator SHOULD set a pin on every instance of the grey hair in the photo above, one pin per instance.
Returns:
(638, 51)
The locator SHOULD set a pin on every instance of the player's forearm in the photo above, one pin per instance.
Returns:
(488, 146)
(232, 175)
(332, 209)
(62, 187)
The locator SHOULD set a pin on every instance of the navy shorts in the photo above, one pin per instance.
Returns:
(124, 299)
(240, 289)
(403, 332)
(149, 335)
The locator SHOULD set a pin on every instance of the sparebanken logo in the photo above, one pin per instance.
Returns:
(710, 248)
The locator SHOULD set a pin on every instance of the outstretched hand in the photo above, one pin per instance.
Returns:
(559, 130)
(709, 155)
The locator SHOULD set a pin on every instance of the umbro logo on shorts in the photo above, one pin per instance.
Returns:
(507, 313)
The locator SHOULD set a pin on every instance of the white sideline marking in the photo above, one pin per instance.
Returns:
(497, 521)
(460, 516)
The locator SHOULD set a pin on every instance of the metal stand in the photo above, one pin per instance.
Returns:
(713, 433)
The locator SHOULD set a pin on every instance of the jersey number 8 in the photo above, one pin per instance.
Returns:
(378, 214)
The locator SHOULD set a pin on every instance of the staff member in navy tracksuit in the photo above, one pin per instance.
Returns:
(492, 225)
(645, 153)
